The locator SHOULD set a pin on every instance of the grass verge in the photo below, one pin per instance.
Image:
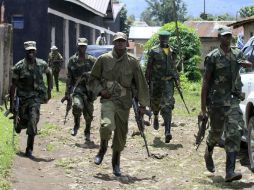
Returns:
(7, 151)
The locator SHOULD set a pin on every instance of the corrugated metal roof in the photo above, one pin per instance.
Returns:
(242, 22)
(98, 7)
(142, 32)
(209, 29)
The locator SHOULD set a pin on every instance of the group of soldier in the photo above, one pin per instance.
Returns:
(117, 77)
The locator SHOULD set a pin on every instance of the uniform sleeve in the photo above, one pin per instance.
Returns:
(141, 86)
(47, 69)
(149, 66)
(94, 83)
(70, 79)
(208, 65)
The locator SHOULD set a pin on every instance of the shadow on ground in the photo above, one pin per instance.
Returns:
(158, 143)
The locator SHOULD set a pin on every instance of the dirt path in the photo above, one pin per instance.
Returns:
(65, 162)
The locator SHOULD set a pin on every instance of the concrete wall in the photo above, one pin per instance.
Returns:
(248, 31)
(5, 59)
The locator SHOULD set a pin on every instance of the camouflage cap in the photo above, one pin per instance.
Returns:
(82, 42)
(29, 45)
(53, 48)
(119, 35)
(224, 30)
(164, 33)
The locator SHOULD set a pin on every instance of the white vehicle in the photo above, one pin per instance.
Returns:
(247, 106)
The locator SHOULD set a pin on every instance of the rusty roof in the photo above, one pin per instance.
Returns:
(242, 22)
(208, 29)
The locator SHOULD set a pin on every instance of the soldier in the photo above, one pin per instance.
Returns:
(78, 67)
(220, 98)
(29, 87)
(112, 77)
(160, 73)
(55, 61)
(101, 40)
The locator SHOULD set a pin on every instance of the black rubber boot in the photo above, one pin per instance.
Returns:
(30, 146)
(103, 148)
(230, 168)
(87, 132)
(209, 159)
(168, 135)
(116, 163)
(156, 122)
(74, 131)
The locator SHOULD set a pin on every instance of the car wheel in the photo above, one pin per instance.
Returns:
(251, 142)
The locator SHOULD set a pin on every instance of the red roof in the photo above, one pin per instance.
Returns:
(208, 29)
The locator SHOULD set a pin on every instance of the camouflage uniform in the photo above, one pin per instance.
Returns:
(161, 69)
(32, 92)
(55, 61)
(117, 75)
(81, 97)
(224, 98)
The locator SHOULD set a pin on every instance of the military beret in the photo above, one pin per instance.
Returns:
(82, 42)
(119, 35)
(224, 30)
(164, 33)
(29, 45)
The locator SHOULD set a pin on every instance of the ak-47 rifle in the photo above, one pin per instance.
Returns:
(140, 121)
(15, 111)
(202, 126)
(181, 94)
(68, 106)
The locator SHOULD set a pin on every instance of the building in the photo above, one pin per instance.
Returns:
(139, 35)
(208, 34)
(60, 23)
(247, 24)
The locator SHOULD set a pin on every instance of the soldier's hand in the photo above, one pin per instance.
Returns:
(105, 94)
(142, 110)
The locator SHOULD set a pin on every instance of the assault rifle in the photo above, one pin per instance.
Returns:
(181, 94)
(68, 106)
(140, 121)
(15, 116)
(202, 126)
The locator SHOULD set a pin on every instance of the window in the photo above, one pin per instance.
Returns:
(18, 22)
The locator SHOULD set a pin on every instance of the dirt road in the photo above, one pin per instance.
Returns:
(65, 162)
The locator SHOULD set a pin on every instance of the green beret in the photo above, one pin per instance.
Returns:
(164, 33)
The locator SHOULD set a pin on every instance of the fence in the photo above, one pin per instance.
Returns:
(5, 59)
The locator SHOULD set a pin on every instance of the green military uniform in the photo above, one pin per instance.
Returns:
(55, 61)
(32, 92)
(77, 77)
(161, 68)
(118, 74)
(224, 98)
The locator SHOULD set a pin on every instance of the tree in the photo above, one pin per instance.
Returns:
(190, 48)
(160, 12)
(124, 25)
(247, 11)
(211, 17)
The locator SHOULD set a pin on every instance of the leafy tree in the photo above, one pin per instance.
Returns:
(190, 48)
(211, 17)
(247, 11)
(124, 25)
(160, 12)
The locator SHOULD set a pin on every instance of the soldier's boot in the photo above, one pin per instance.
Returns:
(103, 148)
(209, 159)
(30, 145)
(74, 131)
(168, 135)
(57, 87)
(116, 163)
(87, 132)
(230, 168)
(156, 122)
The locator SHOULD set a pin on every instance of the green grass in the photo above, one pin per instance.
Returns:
(54, 93)
(47, 129)
(50, 147)
(7, 151)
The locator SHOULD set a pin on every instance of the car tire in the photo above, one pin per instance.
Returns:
(251, 142)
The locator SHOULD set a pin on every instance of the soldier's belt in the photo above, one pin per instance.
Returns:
(166, 78)
(116, 89)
